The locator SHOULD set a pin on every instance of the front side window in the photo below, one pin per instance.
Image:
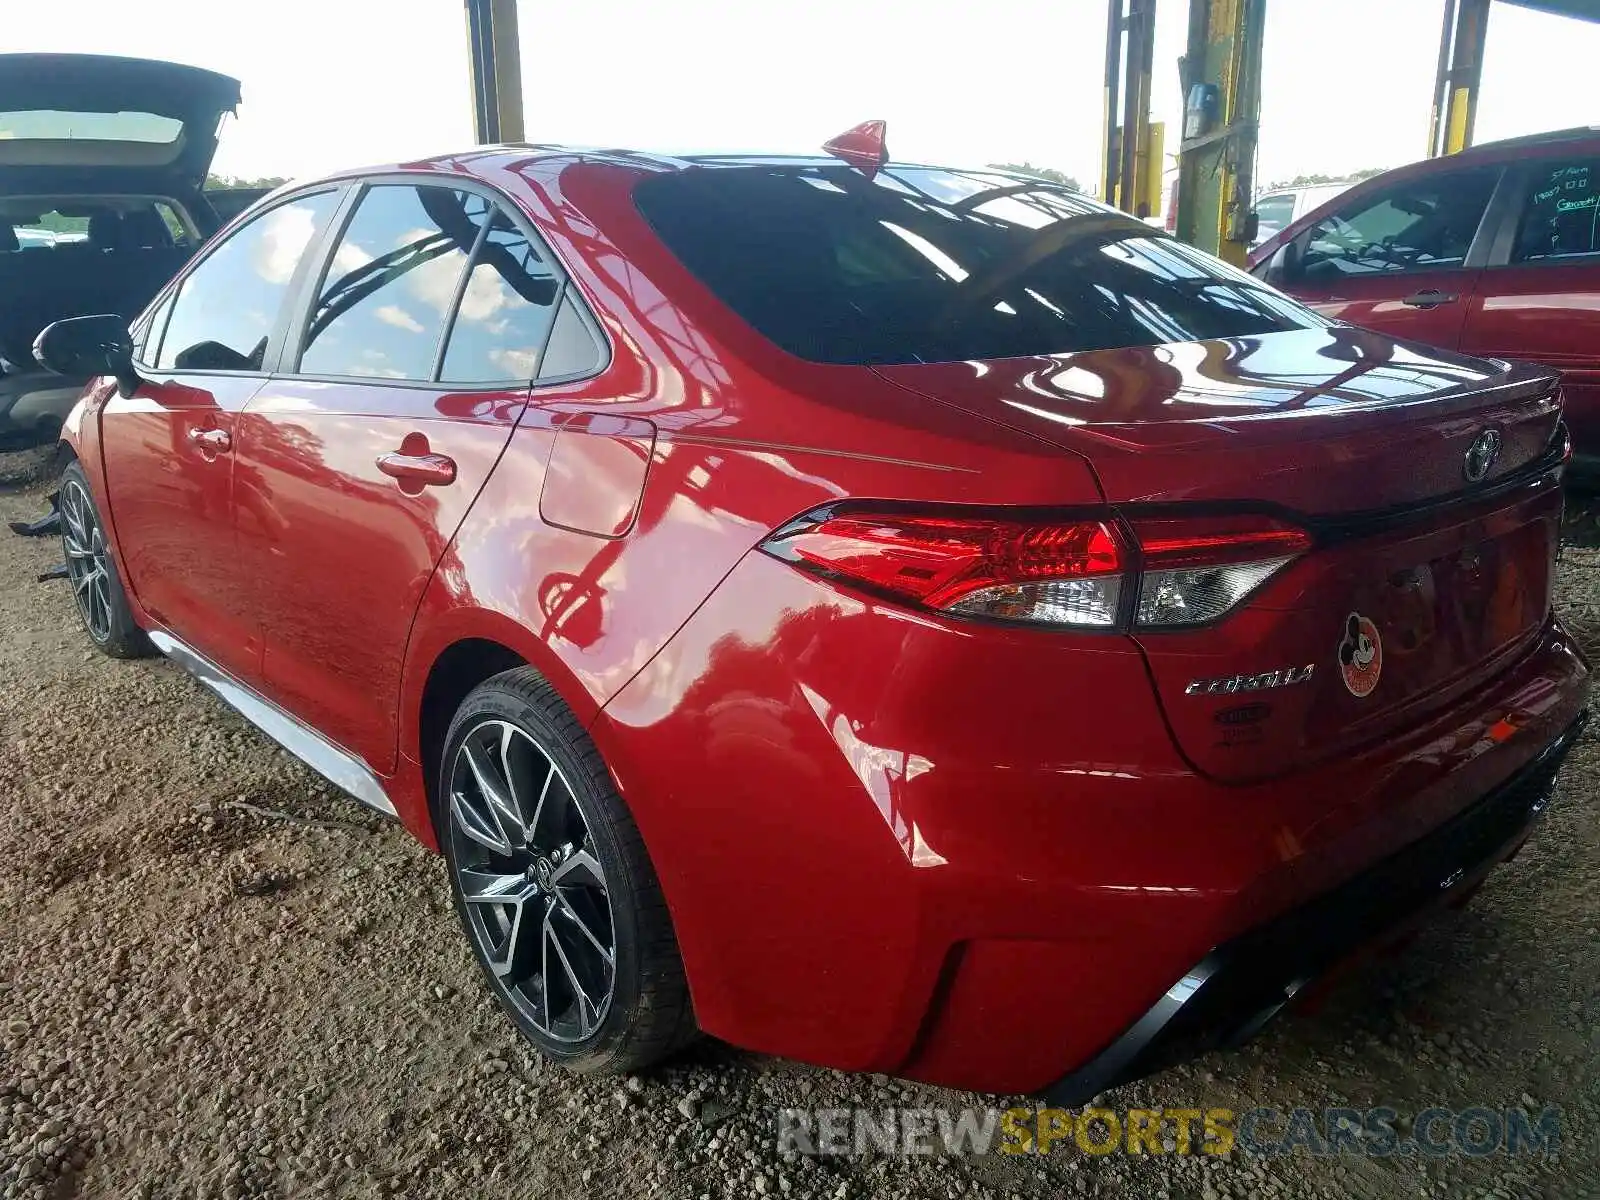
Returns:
(931, 266)
(226, 308)
(1420, 225)
(391, 283)
(147, 333)
(506, 309)
(1561, 212)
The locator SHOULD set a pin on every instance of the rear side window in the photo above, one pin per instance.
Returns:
(392, 282)
(572, 349)
(935, 266)
(1561, 213)
(506, 310)
(226, 308)
(1419, 225)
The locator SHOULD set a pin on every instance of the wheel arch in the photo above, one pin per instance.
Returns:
(458, 669)
(454, 654)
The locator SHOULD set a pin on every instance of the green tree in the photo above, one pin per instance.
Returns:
(221, 182)
(1049, 173)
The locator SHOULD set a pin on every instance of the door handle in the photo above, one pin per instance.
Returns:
(419, 470)
(1430, 299)
(214, 441)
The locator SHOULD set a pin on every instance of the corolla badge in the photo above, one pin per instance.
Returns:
(1360, 655)
(1481, 455)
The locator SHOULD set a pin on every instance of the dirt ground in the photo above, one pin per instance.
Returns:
(221, 979)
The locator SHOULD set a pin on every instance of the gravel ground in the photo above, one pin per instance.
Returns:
(223, 979)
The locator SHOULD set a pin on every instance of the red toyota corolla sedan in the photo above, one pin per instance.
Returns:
(907, 619)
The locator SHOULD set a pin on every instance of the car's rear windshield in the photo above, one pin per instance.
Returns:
(924, 265)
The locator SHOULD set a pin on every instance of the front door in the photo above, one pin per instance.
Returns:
(362, 460)
(169, 448)
(1397, 260)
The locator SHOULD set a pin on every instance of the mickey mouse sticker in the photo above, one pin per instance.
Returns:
(1360, 655)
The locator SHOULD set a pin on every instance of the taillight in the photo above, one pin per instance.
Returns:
(1187, 571)
(1197, 568)
(1067, 573)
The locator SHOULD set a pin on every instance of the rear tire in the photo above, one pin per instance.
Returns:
(552, 883)
(92, 572)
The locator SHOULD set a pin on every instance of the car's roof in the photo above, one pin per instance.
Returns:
(484, 159)
(1580, 133)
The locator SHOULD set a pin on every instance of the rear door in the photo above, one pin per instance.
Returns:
(169, 448)
(1401, 259)
(1539, 297)
(362, 456)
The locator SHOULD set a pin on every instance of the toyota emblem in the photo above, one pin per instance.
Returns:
(1481, 455)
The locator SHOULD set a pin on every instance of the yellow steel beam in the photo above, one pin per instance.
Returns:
(1217, 162)
(1130, 53)
(496, 65)
(1110, 154)
(1455, 89)
(1152, 159)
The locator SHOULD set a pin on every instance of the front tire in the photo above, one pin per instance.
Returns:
(92, 570)
(552, 883)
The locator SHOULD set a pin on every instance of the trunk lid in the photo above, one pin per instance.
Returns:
(87, 123)
(1363, 441)
(1317, 420)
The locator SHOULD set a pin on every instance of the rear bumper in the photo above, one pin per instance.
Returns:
(1233, 992)
(974, 856)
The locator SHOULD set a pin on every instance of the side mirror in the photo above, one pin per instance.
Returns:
(82, 347)
(1284, 267)
(1290, 261)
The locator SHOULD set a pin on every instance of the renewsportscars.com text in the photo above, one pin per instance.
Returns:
(1373, 1133)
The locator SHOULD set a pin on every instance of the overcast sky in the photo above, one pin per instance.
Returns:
(331, 83)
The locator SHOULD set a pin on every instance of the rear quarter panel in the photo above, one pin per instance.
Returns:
(745, 438)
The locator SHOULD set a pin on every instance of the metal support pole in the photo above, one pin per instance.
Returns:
(1130, 52)
(1455, 93)
(1217, 168)
(1136, 103)
(1109, 154)
(1441, 77)
(496, 60)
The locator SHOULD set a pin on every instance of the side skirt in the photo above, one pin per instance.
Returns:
(339, 767)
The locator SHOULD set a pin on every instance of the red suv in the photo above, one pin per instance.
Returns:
(1494, 251)
(908, 619)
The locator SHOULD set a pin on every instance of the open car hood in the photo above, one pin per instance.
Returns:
(73, 124)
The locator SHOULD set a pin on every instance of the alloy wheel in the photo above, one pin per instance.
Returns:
(535, 894)
(87, 565)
